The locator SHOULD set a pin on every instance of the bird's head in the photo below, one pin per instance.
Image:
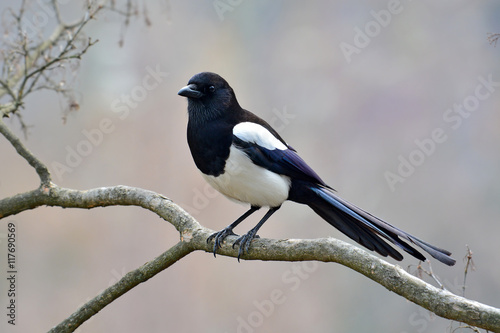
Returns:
(209, 96)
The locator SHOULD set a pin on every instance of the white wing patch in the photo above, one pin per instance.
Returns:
(258, 134)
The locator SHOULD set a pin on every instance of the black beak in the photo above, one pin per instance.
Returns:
(190, 91)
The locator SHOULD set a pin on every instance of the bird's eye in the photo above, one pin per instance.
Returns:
(211, 89)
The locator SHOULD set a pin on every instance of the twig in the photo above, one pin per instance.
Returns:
(420, 270)
(493, 38)
(469, 263)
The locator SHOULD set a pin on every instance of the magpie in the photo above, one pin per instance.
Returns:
(245, 159)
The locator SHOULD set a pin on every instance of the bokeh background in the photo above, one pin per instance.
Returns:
(353, 118)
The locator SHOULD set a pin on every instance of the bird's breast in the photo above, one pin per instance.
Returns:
(244, 181)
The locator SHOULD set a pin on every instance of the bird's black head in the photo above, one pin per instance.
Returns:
(209, 96)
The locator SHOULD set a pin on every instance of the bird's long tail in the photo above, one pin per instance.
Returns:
(369, 230)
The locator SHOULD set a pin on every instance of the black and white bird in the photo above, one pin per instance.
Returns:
(244, 158)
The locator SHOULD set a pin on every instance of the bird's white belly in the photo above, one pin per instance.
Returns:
(244, 181)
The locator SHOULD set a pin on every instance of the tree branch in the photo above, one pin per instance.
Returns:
(27, 64)
(40, 168)
(193, 238)
(129, 281)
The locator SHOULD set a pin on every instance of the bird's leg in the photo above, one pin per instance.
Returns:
(245, 240)
(227, 231)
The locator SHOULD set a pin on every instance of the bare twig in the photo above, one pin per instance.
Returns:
(420, 271)
(430, 272)
(493, 38)
(461, 327)
(469, 263)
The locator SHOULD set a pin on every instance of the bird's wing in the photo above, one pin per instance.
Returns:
(267, 151)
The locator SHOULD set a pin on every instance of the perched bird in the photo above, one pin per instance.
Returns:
(245, 159)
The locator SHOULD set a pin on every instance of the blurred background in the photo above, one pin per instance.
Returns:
(358, 88)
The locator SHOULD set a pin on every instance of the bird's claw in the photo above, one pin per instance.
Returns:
(244, 243)
(219, 238)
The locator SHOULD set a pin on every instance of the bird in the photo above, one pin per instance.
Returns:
(244, 158)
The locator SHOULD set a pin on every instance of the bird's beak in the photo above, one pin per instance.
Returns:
(190, 91)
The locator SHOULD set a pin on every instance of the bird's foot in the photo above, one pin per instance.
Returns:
(244, 242)
(219, 237)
